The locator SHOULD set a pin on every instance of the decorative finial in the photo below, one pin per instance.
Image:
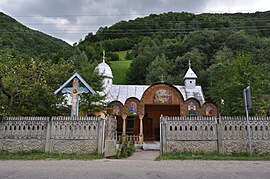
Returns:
(161, 78)
(103, 59)
(189, 64)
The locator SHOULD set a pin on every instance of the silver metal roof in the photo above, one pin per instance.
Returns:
(190, 74)
(104, 70)
(123, 92)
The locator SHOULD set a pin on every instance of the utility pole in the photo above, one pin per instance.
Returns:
(248, 105)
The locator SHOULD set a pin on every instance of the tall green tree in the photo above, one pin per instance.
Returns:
(228, 79)
(145, 53)
(160, 66)
(27, 85)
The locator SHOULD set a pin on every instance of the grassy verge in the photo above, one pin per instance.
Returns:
(119, 69)
(38, 155)
(211, 156)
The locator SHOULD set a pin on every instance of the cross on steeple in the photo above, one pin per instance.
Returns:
(161, 78)
(189, 64)
(103, 58)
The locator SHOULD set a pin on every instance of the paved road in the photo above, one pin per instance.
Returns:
(122, 169)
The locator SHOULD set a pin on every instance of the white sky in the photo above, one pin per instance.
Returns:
(72, 20)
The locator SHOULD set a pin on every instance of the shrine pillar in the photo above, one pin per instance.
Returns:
(124, 117)
(141, 129)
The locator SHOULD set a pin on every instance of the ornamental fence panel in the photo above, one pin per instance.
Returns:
(212, 134)
(52, 134)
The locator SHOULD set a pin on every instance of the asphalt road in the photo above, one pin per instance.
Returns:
(118, 169)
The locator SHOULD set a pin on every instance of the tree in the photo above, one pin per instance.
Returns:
(160, 66)
(92, 103)
(228, 79)
(147, 51)
(27, 86)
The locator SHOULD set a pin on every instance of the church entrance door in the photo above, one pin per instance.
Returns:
(151, 121)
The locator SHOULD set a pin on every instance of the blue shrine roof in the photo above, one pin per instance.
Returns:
(76, 75)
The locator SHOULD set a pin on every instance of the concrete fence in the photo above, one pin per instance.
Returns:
(211, 134)
(55, 135)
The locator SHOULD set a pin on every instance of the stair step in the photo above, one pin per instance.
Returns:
(151, 146)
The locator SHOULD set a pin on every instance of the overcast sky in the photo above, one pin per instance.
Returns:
(72, 20)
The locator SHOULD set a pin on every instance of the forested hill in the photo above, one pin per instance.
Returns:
(16, 37)
(227, 52)
(124, 34)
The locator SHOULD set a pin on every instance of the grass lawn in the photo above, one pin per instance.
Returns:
(211, 156)
(119, 69)
(122, 54)
(38, 155)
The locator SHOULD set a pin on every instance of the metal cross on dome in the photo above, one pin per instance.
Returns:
(162, 78)
(75, 91)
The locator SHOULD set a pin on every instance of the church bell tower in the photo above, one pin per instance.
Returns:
(190, 79)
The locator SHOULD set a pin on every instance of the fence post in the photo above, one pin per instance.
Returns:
(163, 142)
(220, 145)
(48, 135)
(101, 134)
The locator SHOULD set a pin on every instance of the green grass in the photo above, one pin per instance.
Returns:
(39, 155)
(211, 156)
(119, 69)
(122, 54)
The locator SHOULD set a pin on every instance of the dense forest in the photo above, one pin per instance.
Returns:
(17, 37)
(227, 51)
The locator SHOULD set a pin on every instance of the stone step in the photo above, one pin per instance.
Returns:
(151, 146)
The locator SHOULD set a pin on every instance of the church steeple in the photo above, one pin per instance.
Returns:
(190, 78)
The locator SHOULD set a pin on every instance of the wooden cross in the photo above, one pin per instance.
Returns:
(75, 91)
(162, 78)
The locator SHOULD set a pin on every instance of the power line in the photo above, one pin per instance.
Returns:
(80, 15)
(127, 32)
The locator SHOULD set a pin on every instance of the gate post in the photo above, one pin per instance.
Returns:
(163, 137)
(220, 146)
(48, 135)
(101, 131)
(110, 137)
